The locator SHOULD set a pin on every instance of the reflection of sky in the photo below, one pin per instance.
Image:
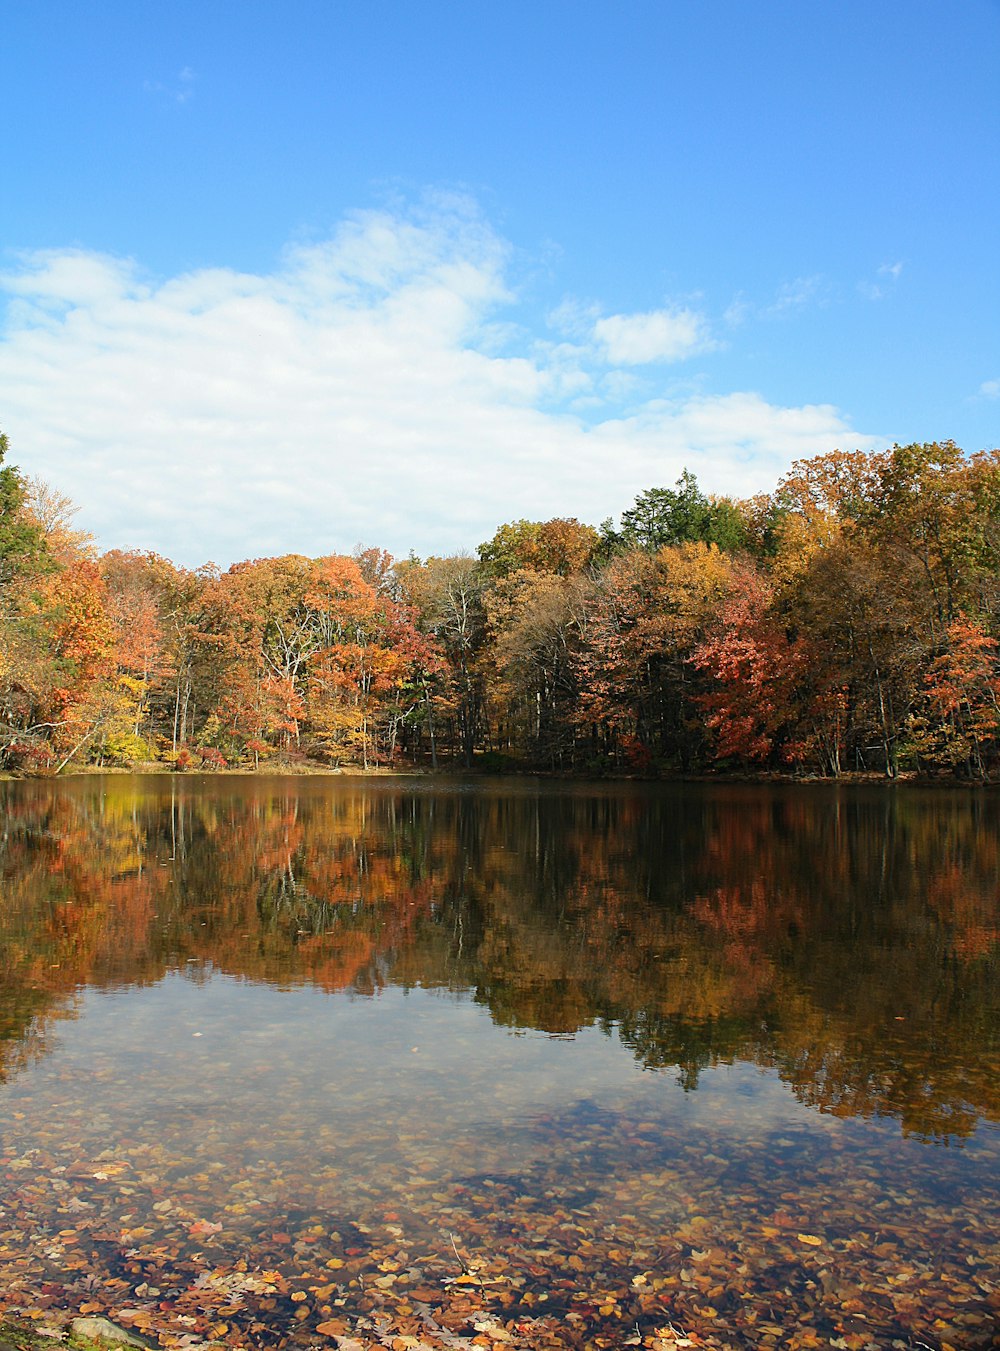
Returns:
(348, 1093)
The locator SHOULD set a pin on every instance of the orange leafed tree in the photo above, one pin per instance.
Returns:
(963, 701)
(70, 607)
(367, 648)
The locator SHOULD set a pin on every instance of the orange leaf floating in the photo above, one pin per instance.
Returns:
(202, 1227)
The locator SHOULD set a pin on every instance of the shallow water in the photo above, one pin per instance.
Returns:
(542, 1065)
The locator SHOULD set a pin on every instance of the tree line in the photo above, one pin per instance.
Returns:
(847, 621)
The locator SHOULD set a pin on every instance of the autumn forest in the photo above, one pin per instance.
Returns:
(846, 622)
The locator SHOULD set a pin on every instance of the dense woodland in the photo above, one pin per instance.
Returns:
(848, 621)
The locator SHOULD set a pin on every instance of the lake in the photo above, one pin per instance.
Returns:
(433, 1063)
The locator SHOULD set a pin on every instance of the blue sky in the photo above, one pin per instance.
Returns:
(291, 278)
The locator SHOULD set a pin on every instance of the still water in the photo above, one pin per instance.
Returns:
(432, 1064)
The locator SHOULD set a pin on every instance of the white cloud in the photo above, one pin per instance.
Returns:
(659, 335)
(990, 389)
(365, 390)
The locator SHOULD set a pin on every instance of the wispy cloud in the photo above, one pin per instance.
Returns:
(990, 389)
(738, 311)
(178, 90)
(357, 392)
(886, 278)
(796, 295)
(575, 318)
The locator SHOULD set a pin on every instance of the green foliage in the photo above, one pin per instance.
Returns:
(662, 516)
(22, 541)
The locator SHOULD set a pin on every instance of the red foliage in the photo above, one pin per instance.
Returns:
(757, 671)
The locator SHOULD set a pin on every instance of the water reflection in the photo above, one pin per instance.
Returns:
(293, 1061)
(847, 939)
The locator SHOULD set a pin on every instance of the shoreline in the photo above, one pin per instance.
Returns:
(316, 769)
(66, 1328)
